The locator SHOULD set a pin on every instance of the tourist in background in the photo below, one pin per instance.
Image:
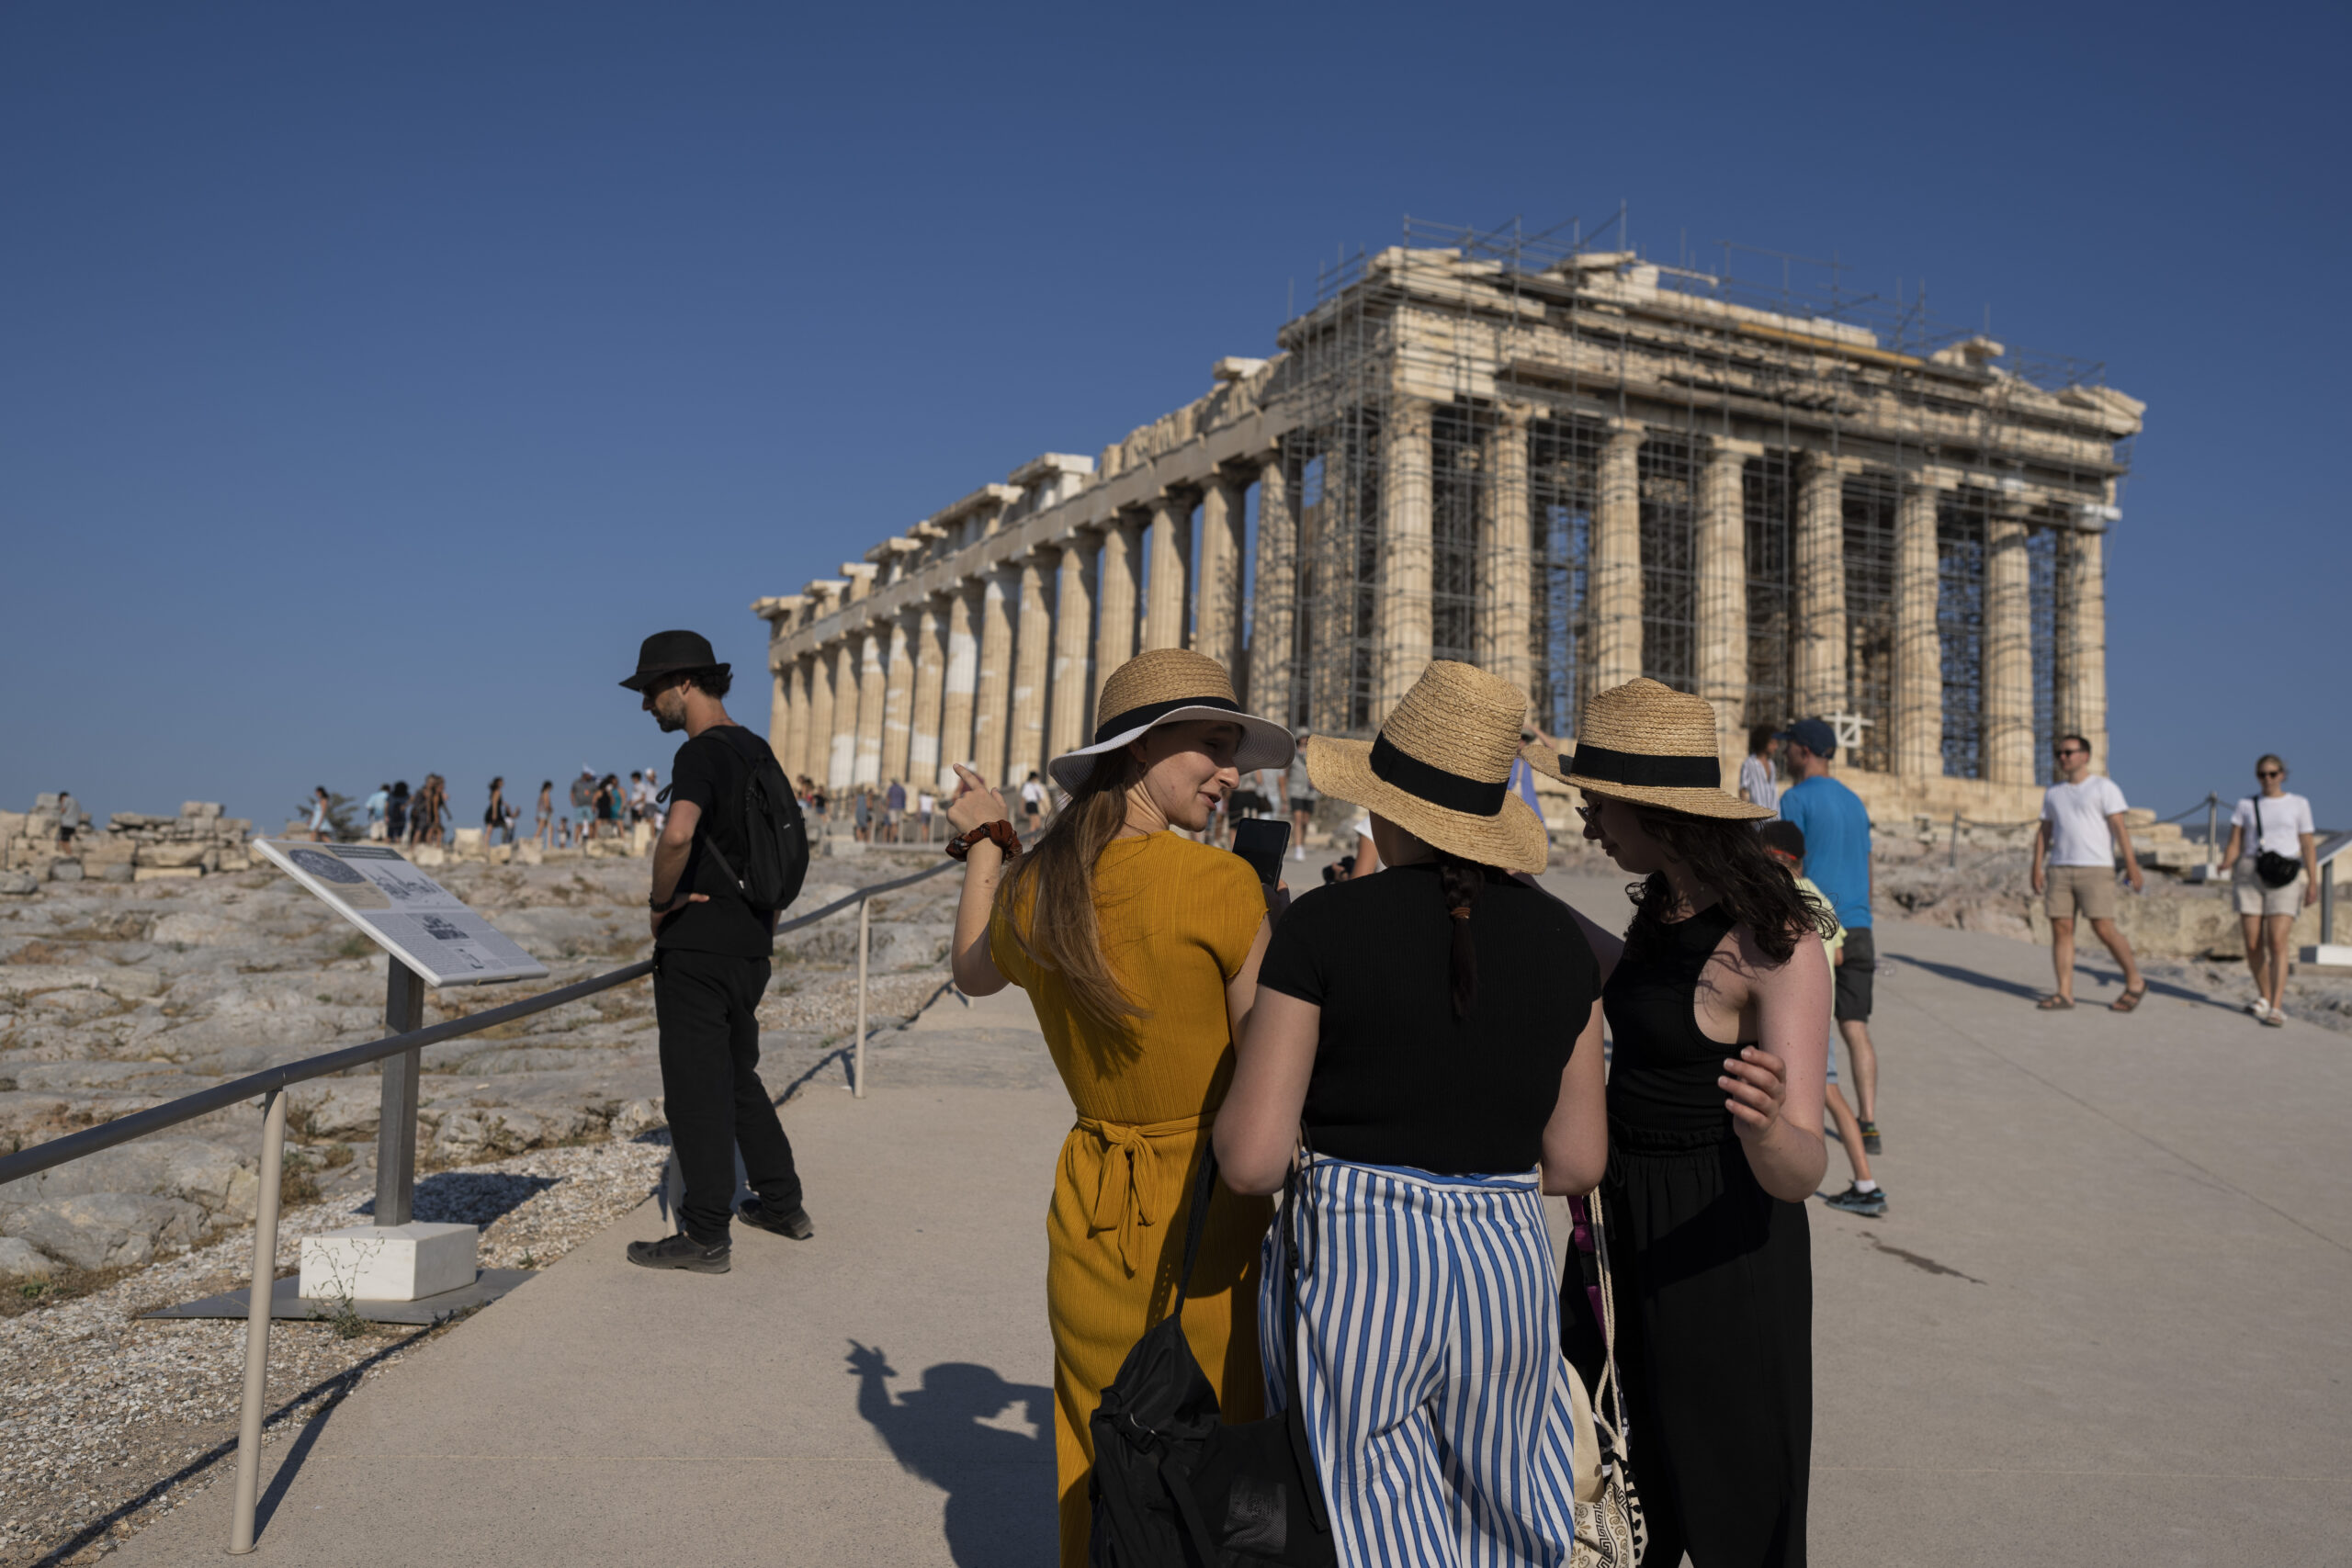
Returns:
(1032, 802)
(1715, 1004)
(1139, 952)
(925, 803)
(2268, 829)
(1298, 791)
(1756, 786)
(894, 809)
(321, 828)
(69, 817)
(376, 804)
(494, 816)
(2074, 848)
(583, 806)
(1434, 1033)
(1785, 843)
(396, 812)
(546, 813)
(1836, 829)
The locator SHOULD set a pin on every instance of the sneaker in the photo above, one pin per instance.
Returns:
(794, 1224)
(1854, 1200)
(682, 1251)
(1869, 1138)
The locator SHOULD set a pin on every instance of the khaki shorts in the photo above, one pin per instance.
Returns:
(2084, 890)
(2256, 897)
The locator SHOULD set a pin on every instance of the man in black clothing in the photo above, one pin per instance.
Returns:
(710, 966)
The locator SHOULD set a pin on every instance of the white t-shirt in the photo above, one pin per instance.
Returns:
(2283, 820)
(2078, 816)
(1363, 829)
(1033, 792)
(923, 803)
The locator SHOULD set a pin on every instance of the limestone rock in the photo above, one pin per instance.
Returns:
(336, 1108)
(18, 882)
(66, 871)
(107, 1230)
(199, 927)
(19, 1259)
(27, 979)
(217, 1177)
(637, 1116)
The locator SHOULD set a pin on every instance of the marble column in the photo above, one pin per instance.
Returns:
(816, 738)
(1918, 748)
(1273, 597)
(2008, 652)
(1506, 562)
(1070, 704)
(1217, 627)
(1820, 549)
(2083, 620)
(897, 698)
(1168, 591)
(1114, 608)
(1032, 643)
(930, 676)
(873, 687)
(780, 713)
(963, 676)
(1405, 629)
(992, 704)
(1723, 592)
(840, 750)
(1613, 564)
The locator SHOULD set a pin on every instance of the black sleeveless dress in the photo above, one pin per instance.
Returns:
(1714, 1281)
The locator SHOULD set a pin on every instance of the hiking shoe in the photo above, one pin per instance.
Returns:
(1854, 1200)
(1869, 1137)
(682, 1251)
(794, 1223)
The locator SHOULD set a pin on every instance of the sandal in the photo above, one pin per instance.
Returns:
(2053, 1002)
(2127, 1001)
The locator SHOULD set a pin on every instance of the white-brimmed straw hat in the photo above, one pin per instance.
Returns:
(1169, 685)
(1441, 768)
(1645, 742)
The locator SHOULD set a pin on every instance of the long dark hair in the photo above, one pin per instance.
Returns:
(1460, 881)
(1725, 854)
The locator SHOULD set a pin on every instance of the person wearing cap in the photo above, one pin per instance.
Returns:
(1836, 829)
(1139, 951)
(1410, 1025)
(711, 949)
(1716, 1085)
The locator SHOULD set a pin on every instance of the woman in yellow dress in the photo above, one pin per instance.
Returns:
(1139, 950)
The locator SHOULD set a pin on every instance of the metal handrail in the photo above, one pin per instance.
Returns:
(271, 1085)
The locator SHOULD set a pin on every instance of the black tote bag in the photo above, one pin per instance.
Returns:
(1174, 1487)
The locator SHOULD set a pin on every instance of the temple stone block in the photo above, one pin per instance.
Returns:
(1032, 642)
(1115, 613)
(2082, 689)
(991, 696)
(1406, 627)
(1069, 718)
(1821, 585)
(962, 680)
(841, 751)
(781, 718)
(1722, 593)
(898, 699)
(930, 676)
(1505, 533)
(1275, 575)
(1918, 748)
(2008, 653)
(873, 688)
(1614, 567)
(817, 739)
(1171, 570)
(1216, 626)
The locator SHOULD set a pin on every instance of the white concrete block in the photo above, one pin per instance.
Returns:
(2333, 956)
(388, 1263)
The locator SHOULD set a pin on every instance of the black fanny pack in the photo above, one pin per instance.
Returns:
(2274, 869)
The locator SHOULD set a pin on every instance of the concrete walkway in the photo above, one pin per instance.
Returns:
(2104, 1323)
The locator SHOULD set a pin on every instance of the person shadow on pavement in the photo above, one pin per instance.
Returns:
(958, 1431)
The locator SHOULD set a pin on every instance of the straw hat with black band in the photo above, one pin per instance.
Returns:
(1171, 685)
(1645, 742)
(1439, 768)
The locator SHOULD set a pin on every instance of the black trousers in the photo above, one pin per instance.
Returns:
(705, 1005)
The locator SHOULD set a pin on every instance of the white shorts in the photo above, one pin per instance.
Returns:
(2256, 897)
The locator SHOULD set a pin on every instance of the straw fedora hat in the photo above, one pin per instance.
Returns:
(1441, 768)
(1169, 685)
(1645, 742)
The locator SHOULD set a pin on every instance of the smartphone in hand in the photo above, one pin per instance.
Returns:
(1261, 841)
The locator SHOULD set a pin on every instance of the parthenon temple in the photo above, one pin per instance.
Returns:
(1567, 464)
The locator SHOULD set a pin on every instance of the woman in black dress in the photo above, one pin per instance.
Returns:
(1718, 1009)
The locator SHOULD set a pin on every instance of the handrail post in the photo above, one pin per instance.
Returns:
(396, 1120)
(864, 929)
(273, 1153)
(2213, 822)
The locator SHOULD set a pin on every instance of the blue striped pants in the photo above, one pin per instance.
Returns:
(1430, 1369)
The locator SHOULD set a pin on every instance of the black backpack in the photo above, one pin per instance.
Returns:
(1174, 1487)
(775, 838)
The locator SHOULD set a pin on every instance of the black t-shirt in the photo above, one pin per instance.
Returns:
(711, 772)
(1398, 1079)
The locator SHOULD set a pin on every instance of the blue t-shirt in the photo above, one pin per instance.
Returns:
(1836, 844)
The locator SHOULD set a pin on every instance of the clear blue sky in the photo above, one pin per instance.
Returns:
(372, 378)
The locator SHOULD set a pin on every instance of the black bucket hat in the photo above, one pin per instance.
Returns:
(666, 653)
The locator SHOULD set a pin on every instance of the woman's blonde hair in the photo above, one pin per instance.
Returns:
(1048, 900)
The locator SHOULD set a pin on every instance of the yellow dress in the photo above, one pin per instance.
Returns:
(1177, 921)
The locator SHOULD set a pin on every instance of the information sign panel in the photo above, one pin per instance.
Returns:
(407, 913)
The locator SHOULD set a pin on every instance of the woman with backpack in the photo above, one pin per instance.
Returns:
(1409, 1032)
(1139, 951)
(1716, 1006)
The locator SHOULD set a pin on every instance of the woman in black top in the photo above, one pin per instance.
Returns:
(1408, 1024)
(1718, 1008)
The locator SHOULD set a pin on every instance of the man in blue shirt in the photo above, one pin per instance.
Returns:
(1837, 857)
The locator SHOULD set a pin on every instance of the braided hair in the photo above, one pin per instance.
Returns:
(1460, 880)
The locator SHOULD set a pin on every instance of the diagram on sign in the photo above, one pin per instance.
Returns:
(407, 913)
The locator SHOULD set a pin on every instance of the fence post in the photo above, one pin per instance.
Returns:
(273, 1153)
(864, 927)
(396, 1117)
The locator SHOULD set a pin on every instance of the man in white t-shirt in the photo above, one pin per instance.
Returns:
(2074, 867)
